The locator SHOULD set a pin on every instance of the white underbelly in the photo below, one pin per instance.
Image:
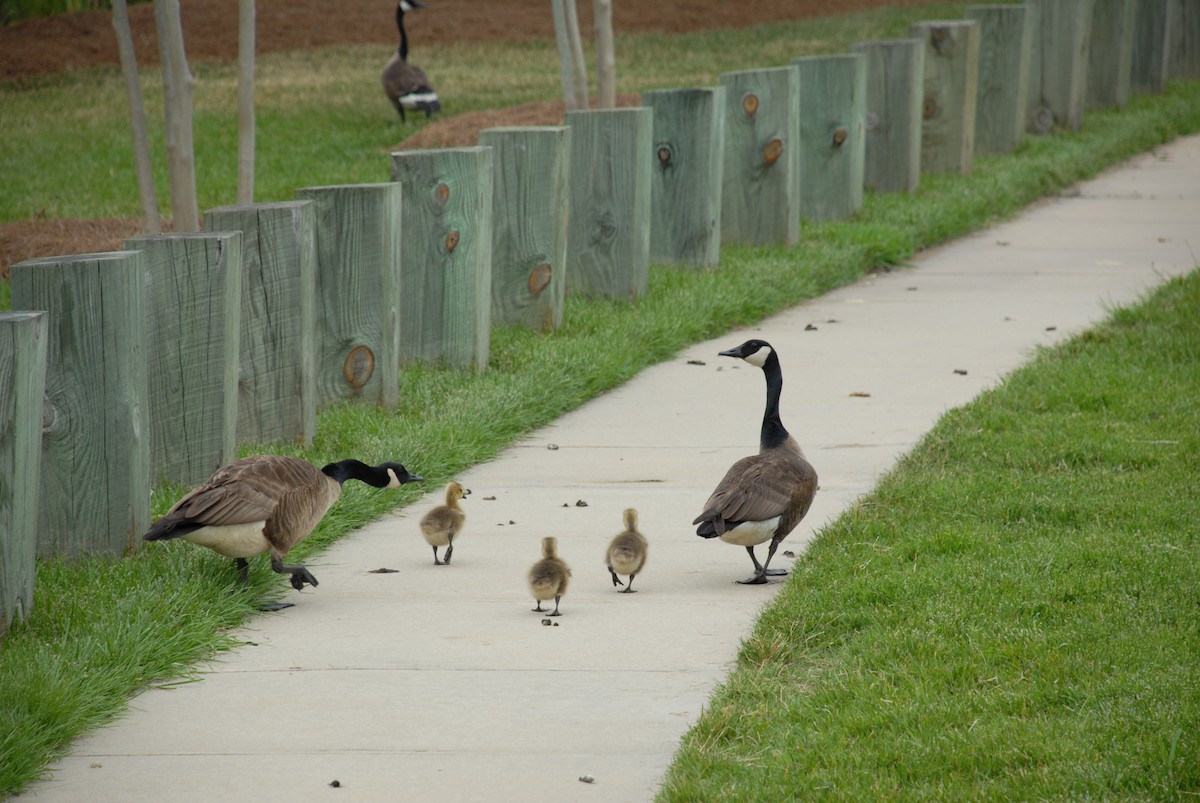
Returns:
(232, 541)
(751, 533)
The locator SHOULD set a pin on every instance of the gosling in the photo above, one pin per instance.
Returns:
(443, 524)
(627, 553)
(548, 577)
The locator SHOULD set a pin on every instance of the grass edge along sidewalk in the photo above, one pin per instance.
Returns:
(103, 629)
(1014, 612)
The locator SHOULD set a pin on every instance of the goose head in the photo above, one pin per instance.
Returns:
(756, 352)
(405, 6)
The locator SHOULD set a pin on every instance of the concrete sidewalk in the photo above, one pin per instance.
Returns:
(440, 683)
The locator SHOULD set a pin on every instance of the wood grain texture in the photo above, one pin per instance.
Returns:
(95, 479)
(22, 390)
(1110, 54)
(951, 94)
(358, 242)
(193, 319)
(761, 171)
(1184, 46)
(1153, 31)
(608, 236)
(1005, 49)
(1058, 65)
(276, 374)
(686, 175)
(895, 90)
(529, 224)
(833, 117)
(445, 291)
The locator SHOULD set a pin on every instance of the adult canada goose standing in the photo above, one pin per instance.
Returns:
(441, 525)
(762, 497)
(268, 504)
(405, 84)
(627, 552)
(548, 577)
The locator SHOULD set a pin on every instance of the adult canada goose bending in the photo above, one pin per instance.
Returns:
(548, 577)
(441, 525)
(267, 504)
(405, 84)
(627, 552)
(762, 497)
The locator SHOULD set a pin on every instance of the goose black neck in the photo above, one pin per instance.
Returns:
(357, 470)
(773, 432)
(403, 35)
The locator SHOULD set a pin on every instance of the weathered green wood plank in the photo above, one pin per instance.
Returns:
(761, 172)
(833, 116)
(529, 224)
(95, 481)
(358, 241)
(445, 291)
(193, 318)
(1005, 51)
(951, 94)
(685, 192)
(276, 373)
(1184, 47)
(1154, 21)
(1110, 54)
(22, 390)
(895, 91)
(608, 236)
(1058, 72)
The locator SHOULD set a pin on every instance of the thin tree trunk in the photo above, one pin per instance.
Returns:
(581, 84)
(151, 222)
(177, 108)
(606, 63)
(245, 180)
(564, 53)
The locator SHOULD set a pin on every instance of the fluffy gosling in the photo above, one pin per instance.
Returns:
(444, 523)
(627, 552)
(548, 577)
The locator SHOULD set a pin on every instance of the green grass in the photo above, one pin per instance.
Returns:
(1013, 614)
(102, 629)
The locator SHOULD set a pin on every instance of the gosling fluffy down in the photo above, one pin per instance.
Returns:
(549, 576)
(444, 523)
(627, 552)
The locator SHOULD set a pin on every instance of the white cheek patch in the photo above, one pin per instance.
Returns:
(407, 6)
(759, 358)
(393, 480)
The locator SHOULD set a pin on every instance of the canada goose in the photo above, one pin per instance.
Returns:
(405, 84)
(269, 504)
(764, 496)
(548, 577)
(627, 552)
(441, 525)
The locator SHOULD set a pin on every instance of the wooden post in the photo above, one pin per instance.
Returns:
(1058, 74)
(276, 380)
(895, 91)
(95, 482)
(22, 391)
(608, 238)
(685, 191)
(761, 172)
(445, 291)
(833, 106)
(1005, 49)
(358, 242)
(951, 94)
(529, 224)
(193, 315)
(1152, 36)
(1110, 54)
(1184, 47)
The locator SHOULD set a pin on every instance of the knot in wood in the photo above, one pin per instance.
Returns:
(839, 136)
(452, 240)
(442, 192)
(772, 151)
(358, 366)
(750, 104)
(930, 108)
(49, 415)
(664, 155)
(539, 278)
(872, 121)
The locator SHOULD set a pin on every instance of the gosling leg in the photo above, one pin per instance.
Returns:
(630, 589)
(616, 580)
(436, 562)
(556, 613)
(538, 609)
(449, 549)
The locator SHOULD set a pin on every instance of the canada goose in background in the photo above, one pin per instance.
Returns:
(405, 84)
(442, 525)
(548, 577)
(269, 504)
(627, 552)
(762, 497)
